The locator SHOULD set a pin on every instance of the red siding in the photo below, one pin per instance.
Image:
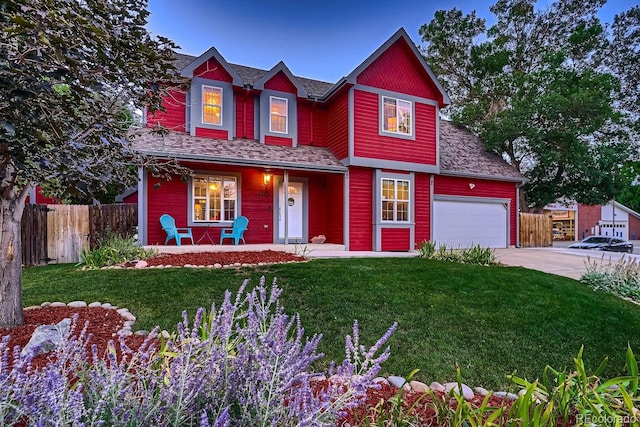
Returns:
(422, 206)
(41, 199)
(276, 140)
(396, 239)
(370, 144)
(212, 70)
(319, 127)
(281, 83)
(174, 116)
(131, 198)
(398, 70)
(360, 206)
(588, 217)
(634, 227)
(312, 125)
(338, 127)
(212, 133)
(171, 198)
(326, 207)
(244, 116)
(454, 186)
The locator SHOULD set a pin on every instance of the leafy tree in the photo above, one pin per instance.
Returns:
(537, 89)
(630, 193)
(68, 70)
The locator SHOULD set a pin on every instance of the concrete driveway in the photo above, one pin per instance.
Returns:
(561, 261)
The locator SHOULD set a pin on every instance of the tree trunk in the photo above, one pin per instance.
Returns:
(10, 264)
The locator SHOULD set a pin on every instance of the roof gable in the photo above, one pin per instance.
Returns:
(280, 67)
(391, 46)
(188, 71)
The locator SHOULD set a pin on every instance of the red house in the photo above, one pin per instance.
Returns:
(366, 161)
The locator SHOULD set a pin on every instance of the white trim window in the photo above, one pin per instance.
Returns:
(278, 114)
(212, 105)
(396, 116)
(395, 200)
(214, 198)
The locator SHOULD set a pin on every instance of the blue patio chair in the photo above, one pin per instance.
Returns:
(237, 232)
(169, 227)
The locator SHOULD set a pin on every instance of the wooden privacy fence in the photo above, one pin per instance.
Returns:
(57, 233)
(536, 230)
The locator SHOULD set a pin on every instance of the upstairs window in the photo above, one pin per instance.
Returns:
(395, 200)
(214, 198)
(396, 116)
(278, 108)
(211, 105)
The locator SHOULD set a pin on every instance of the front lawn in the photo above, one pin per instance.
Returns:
(492, 321)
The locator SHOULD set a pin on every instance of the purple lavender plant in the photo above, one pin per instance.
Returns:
(245, 362)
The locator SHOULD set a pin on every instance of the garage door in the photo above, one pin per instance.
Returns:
(464, 224)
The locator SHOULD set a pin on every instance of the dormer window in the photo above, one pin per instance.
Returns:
(278, 108)
(396, 116)
(212, 105)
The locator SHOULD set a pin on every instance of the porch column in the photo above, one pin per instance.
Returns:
(286, 207)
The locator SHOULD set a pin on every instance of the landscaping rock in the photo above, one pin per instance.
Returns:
(141, 333)
(481, 391)
(141, 264)
(45, 304)
(217, 265)
(436, 386)
(32, 307)
(95, 304)
(316, 378)
(466, 391)
(77, 304)
(380, 380)
(47, 337)
(58, 304)
(418, 387)
(106, 305)
(505, 395)
(396, 381)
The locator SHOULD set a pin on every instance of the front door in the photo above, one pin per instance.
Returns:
(294, 211)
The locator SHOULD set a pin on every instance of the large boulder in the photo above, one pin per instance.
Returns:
(47, 337)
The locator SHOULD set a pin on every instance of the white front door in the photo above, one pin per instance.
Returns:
(294, 211)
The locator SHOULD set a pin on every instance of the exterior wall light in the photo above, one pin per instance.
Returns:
(472, 186)
(266, 179)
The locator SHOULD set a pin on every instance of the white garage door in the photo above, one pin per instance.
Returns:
(464, 224)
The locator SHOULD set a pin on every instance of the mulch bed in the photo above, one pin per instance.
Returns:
(223, 258)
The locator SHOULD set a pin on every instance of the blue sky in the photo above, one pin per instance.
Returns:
(323, 40)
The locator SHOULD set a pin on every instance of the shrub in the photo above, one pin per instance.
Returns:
(562, 397)
(621, 278)
(243, 363)
(473, 255)
(113, 249)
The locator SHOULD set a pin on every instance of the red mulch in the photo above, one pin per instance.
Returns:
(103, 325)
(223, 258)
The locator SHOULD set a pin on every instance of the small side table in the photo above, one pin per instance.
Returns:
(206, 235)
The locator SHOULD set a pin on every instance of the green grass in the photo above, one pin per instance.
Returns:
(492, 321)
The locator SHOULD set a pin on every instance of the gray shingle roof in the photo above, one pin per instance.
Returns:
(183, 146)
(463, 153)
(250, 75)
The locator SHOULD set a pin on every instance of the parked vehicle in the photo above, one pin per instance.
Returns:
(604, 243)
